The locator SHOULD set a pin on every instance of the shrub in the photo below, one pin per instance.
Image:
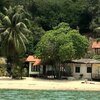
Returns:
(16, 72)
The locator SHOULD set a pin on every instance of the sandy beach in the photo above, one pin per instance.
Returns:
(45, 84)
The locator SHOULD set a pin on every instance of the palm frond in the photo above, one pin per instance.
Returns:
(20, 25)
(23, 37)
(22, 44)
(26, 31)
(13, 29)
(1, 29)
(2, 15)
(6, 10)
(16, 41)
(6, 20)
(6, 32)
(27, 22)
(10, 10)
(15, 18)
(10, 36)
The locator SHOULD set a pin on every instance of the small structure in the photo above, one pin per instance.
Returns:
(86, 68)
(34, 65)
(96, 47)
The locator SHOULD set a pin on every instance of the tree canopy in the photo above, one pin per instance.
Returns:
(61, 44)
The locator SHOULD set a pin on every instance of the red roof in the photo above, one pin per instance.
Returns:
(33, 59)
(96, 45)
(37, 62)
(30, 59)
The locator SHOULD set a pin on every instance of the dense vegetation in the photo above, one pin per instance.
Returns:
(83, 14)
(40, 27)
(61, 44)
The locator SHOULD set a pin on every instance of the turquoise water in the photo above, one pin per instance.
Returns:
(47, 95)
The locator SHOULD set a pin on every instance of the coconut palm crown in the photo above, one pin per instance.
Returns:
(13, 30)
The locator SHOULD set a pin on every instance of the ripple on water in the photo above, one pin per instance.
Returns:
(48, 95)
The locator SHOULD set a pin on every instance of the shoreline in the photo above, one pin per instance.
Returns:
(45, 84)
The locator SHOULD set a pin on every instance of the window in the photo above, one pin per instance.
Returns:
(89, 69)
(77, 69)
(35, 68)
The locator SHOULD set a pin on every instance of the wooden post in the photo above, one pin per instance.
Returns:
(30, 64)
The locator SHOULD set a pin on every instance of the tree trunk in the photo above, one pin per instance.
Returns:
(44, 70)
(57, 70)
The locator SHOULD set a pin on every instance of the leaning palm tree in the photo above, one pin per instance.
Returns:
(13, 31)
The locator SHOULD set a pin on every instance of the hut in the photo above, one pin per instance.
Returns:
(86, 68)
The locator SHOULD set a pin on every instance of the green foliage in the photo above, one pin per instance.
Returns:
(3, 70)
(60, 45)
(25, 72)
(94, 10)
(73, 11)
(98, 39)
(89, 54)
(49, 13)
(97, 32)
(80, 43)
(97, 57)
(3, 3)
(33, 38)
(52, 12)
(66, 52)
(13, 30)
(16, 72)
(62, 27)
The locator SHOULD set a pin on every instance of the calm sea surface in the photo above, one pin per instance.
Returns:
(47, 95)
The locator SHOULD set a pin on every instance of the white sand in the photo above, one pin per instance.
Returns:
(42, 84)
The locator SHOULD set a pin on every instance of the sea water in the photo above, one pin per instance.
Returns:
(48, 95)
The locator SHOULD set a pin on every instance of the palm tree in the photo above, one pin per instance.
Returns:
(13, 31)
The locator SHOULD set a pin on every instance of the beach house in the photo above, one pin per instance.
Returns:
(86, 68)
(34, 65)
(37, 68)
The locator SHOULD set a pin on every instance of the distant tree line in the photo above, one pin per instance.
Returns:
(82, 14)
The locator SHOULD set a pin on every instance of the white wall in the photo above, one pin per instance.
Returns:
(83, 70)
(31, 72)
